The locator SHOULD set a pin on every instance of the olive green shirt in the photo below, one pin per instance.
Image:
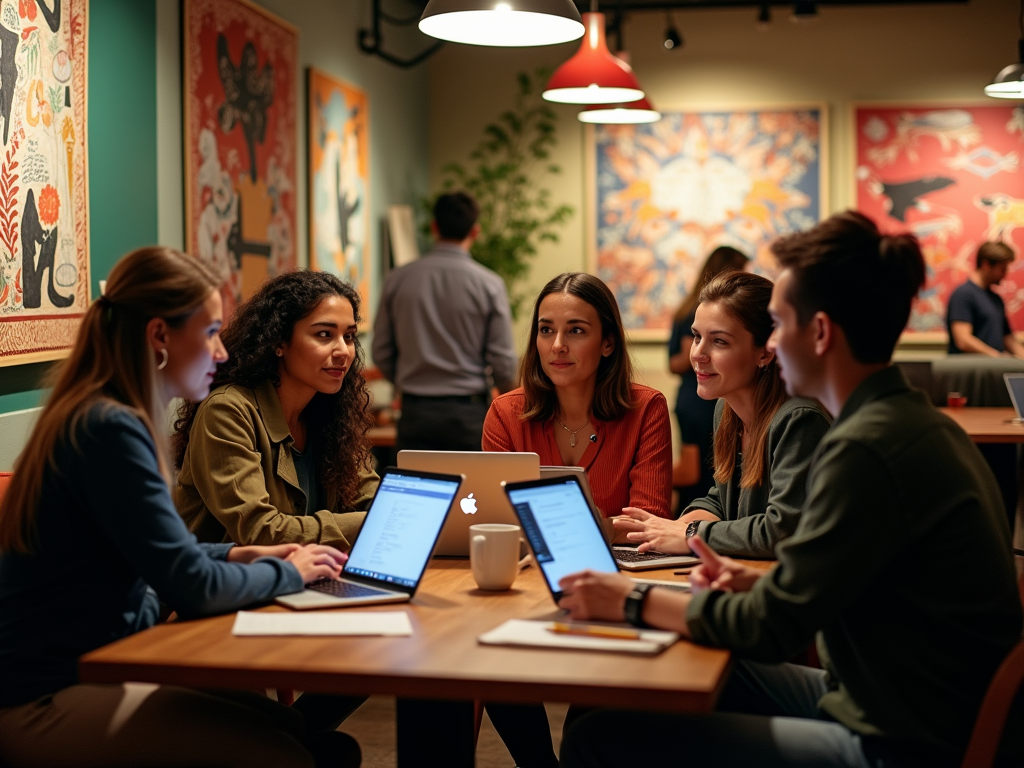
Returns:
(238, 480)
(901, 560)
(754, 520)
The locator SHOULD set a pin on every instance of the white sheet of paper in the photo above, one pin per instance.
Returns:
(537, 633)
(256, 624)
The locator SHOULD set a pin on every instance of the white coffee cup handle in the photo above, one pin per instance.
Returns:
(476, 547)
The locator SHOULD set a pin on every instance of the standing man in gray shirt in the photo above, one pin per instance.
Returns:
(442, 325)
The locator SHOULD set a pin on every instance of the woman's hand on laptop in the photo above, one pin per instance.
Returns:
(652, 532)
(595, 596)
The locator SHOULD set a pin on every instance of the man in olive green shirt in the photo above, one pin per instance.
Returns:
(896, 492)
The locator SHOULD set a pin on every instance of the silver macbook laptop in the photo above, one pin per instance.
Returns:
(481, 499)
(1015, 386)
(394, 544)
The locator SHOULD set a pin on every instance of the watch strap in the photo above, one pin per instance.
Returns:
(634, 606)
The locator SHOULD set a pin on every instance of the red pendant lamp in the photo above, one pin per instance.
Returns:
(593, 75)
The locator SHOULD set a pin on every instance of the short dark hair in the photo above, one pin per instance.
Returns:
(455, 213)
(613, 395)
(863, 280)
(994, 253)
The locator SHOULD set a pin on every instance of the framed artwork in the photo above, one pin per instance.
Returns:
(664, 195)
(950, 174)
(240, 142)
(339, 182)
(44, 190)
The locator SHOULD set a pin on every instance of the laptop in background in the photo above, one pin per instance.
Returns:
(393, 546)
(481, 499)
(1015, 386)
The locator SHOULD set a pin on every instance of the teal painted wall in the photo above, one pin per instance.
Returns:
(122, 156)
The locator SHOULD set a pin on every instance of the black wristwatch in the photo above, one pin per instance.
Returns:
(634, 607)
(691, 529)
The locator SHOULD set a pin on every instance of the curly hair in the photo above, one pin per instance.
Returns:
(337, 423)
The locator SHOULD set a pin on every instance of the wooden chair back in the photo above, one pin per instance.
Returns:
(999, 699)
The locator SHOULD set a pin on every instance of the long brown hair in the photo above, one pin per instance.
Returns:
(612, 395)
(110, 361)
(723, 259)
(745, 296)
(337, 423)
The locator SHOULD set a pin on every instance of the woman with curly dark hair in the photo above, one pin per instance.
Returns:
(278, 452)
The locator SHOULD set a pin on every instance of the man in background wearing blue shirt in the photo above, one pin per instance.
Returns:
(976, 317)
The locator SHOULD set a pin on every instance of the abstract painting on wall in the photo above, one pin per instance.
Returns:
(240, 142)
(666, 194)
(44, 191)
(950, 174)
(339, 182)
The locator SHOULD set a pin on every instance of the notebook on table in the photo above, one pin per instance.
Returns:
(394, 545)
(481, 499)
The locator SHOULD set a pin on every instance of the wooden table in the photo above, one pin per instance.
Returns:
(442, 658)
(987, 425)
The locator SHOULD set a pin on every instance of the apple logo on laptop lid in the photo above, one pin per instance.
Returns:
(468, 505)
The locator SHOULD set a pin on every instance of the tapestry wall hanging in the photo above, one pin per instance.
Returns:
(339, 182)
(44, 204)
(240, 142)
(664, 195)
(950, 174)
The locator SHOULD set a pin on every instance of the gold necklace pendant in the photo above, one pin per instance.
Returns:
(572, 432)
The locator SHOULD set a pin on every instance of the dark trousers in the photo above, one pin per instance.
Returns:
(441, 423)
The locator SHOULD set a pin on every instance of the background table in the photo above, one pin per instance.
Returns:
(442, 658)
(987, 425)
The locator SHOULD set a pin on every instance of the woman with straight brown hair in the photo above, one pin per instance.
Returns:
(90, 544)
(578, 404)
(694, 414)
(763, 440)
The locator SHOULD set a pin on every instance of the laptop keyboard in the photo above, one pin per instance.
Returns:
(632, 556)
(343, 588)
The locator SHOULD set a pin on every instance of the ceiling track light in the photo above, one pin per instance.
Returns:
(804, 12)
(673, 40)
(505, 23)
(1009, 83)
(764, 17)
(593, 75)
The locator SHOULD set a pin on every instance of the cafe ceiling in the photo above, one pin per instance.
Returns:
(611, 6)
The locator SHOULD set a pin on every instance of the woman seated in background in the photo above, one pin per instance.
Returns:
(694, 414)
(756, 503)
(578, 404)
(91, 542)
(278, 452)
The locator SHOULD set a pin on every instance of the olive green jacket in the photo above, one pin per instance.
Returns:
(238, 481)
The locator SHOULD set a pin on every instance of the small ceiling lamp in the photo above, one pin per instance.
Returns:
(673, 40)
(804, 12)
(1009, 83)
(593, 75)
(634, 113)
(507, 23)
(764, 17)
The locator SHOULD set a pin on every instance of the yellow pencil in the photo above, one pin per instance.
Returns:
(587, 630)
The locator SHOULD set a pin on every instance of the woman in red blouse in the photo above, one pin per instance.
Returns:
(578, 404)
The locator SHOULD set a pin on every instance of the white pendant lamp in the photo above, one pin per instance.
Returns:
(506, 23)
(593, 75)
(634, 113)
(1009, 83)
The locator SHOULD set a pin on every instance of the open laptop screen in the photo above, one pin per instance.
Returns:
(401, 529)
(561, 529)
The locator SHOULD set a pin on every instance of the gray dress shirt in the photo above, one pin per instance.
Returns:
(442, 322)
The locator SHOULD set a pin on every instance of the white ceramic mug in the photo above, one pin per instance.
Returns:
(494, 555)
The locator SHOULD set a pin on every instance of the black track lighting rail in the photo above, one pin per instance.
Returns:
(682, 5)
(371, 41)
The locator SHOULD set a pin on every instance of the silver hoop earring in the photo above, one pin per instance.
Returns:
(163, 362)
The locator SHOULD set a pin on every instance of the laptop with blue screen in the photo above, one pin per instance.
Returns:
(394, 545)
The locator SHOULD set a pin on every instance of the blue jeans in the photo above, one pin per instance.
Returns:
(768, 716)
